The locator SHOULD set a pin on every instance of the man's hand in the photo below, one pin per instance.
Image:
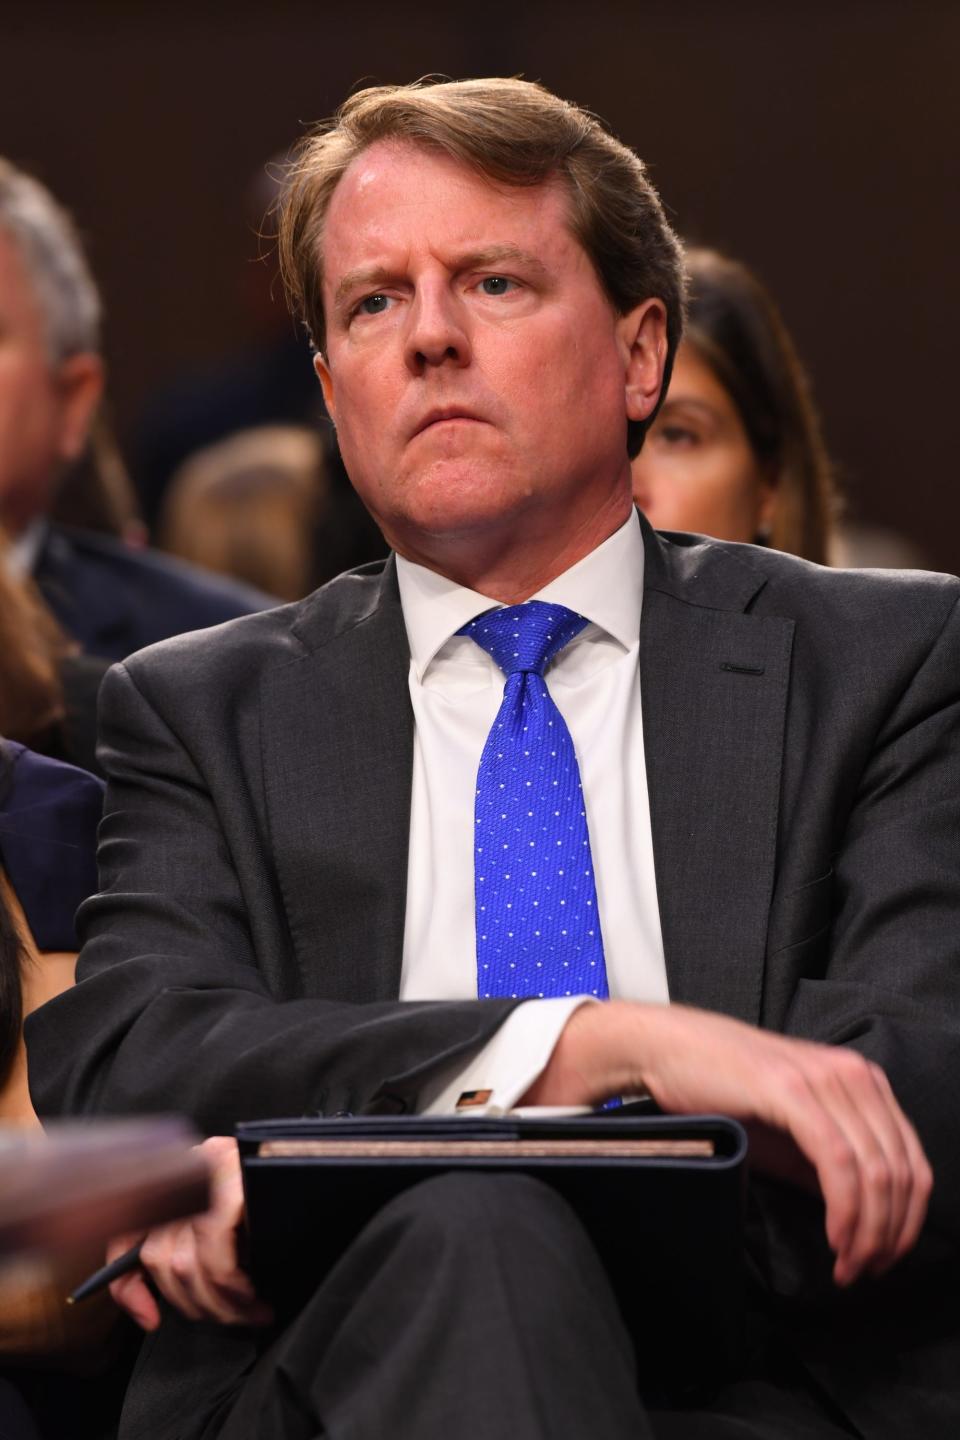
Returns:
(822, 1104)
(193, 1263)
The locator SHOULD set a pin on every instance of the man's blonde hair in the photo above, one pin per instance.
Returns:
(513, 132)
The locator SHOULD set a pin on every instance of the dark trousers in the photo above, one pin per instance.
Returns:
(470, 1308)
(15, 1421)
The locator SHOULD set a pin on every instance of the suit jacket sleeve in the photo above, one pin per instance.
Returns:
(880, 970)
(174, 1010)
(892, 989)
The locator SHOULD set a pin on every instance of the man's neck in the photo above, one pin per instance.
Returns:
(511, 568)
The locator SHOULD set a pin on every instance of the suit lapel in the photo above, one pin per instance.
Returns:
(714, 684)
(338, 746)
(714, 688)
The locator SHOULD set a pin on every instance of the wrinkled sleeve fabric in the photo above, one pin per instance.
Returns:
(173, 1010)
(892, 989)
(882, 974)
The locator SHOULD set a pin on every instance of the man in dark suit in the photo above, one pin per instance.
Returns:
(112, 597)
(303, 867)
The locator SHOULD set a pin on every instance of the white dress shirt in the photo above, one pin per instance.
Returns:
(456, 689)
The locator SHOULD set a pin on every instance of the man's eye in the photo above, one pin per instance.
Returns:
(373, 305)
(497, 285)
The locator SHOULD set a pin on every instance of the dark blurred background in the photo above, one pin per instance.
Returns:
(817, 142)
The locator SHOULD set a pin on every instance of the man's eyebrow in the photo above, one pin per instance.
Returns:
(492, 255)
(360, 279)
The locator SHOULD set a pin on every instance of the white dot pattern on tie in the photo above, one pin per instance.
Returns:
(538, 930)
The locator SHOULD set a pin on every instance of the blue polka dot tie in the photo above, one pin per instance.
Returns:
(538, 930)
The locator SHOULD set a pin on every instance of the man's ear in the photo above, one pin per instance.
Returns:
(326, 384)
(642, 334)
(79, 382)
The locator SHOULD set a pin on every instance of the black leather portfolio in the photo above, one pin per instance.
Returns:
(661, 1197)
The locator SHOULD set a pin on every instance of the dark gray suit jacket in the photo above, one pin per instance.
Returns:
(802, 734)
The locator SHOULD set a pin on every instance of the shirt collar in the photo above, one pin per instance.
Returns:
(606, 586)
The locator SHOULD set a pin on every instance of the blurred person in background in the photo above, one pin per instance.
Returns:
(737, 450)
(49, 814)
(247, 506)
(67, 1365)
(264, 506)
(97, 493)
(48, 687)
(266, 381)
(110, 596)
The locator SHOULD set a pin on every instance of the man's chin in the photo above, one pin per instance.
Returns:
(469, 514)
(459, 498)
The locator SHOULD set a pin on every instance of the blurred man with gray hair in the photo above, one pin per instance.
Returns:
(110, 596)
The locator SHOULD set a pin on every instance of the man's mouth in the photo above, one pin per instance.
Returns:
(443, 415)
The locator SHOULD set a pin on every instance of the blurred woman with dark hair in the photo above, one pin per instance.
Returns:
(736, 451)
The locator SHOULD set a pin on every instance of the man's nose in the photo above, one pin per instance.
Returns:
(436, 330)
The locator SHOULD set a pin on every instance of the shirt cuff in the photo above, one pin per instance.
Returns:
(499, 1074)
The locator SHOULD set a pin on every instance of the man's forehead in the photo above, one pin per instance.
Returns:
(396, 189)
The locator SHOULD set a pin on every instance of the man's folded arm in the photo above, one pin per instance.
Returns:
(173, 1009)
(501, 1073)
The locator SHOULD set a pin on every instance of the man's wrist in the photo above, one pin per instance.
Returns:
(602, 1051)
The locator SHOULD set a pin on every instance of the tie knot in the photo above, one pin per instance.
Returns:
(524, 637)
